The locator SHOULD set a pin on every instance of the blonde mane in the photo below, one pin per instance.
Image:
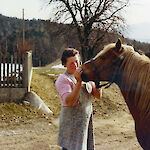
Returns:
(136, 70)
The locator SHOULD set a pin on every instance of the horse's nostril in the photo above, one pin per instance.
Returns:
(84, 77)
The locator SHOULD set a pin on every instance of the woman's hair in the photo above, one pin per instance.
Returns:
(68, 52)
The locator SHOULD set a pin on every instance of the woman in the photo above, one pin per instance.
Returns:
(76, 128)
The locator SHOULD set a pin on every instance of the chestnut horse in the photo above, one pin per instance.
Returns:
(120, 64)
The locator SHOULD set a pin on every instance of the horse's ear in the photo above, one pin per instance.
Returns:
(118, 44)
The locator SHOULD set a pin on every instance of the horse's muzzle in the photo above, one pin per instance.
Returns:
(84, 77)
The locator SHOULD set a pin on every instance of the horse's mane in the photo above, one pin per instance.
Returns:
(110, 46)
(136, 70)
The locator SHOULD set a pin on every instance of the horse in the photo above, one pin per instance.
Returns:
(121, 64)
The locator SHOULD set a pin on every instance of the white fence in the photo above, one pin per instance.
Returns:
(15, 76)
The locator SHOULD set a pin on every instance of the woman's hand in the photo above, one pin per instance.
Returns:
(77, 75)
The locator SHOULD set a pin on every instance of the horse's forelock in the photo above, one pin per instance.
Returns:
(130, 48)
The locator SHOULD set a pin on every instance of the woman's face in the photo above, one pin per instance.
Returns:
(72, 64)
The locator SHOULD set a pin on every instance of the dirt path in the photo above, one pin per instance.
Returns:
(113, 133)
(39, 134)
(116, 133)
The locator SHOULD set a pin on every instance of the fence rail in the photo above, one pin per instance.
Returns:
(11, 71)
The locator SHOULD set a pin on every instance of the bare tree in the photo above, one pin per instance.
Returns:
(92, 19)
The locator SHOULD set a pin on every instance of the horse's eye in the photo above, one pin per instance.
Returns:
(102, 57)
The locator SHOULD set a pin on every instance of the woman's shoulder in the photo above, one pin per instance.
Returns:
(62, 78)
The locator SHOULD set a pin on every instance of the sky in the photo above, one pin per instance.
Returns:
(138, 12)
(33, 9)
(138, 20)
(136, 15)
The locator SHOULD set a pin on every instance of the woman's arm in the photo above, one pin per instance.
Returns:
(73, 97)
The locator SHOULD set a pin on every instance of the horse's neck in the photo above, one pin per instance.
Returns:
(127, 87)
(129, 99)
(126, 93)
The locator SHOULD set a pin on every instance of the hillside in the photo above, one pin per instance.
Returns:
(46, 39)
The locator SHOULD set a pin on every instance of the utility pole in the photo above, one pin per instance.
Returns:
(6, 49)
(23, 34)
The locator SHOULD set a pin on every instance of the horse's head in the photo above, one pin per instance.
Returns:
(104, 66)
